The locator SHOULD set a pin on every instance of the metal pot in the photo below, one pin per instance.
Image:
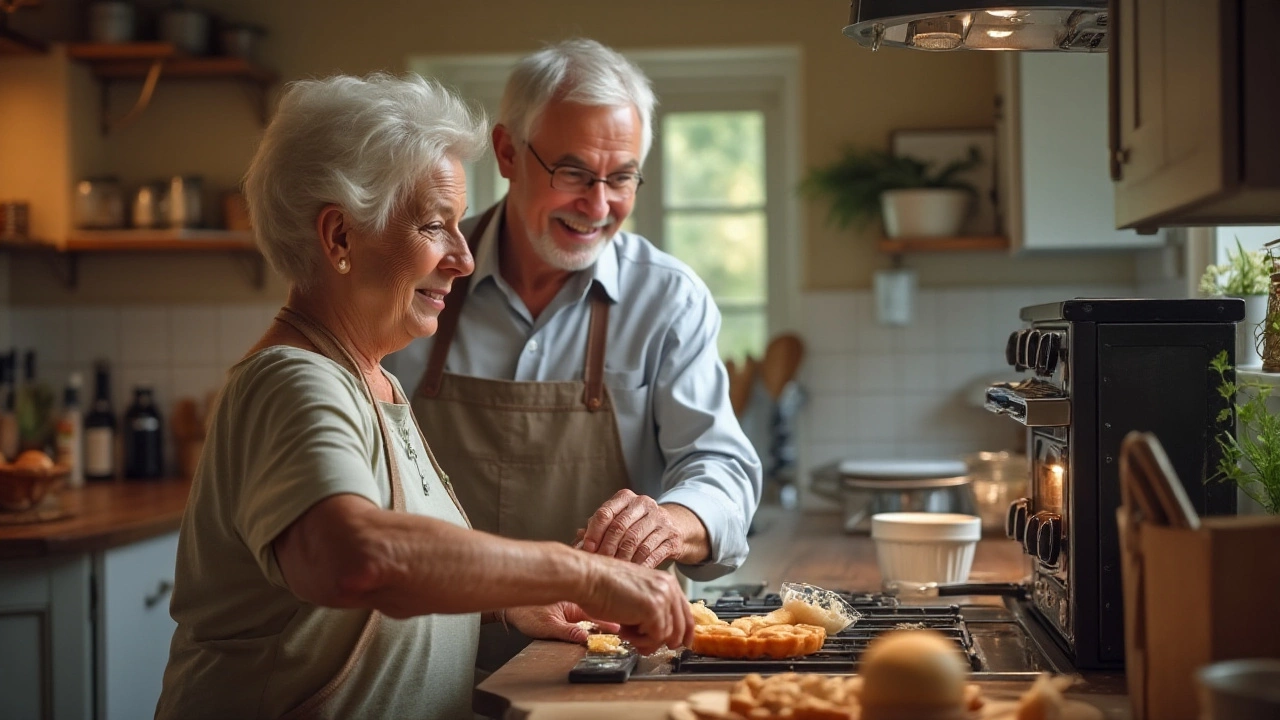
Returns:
(148, 205)
(111, 21)
(185, 202)
(99, 204)
(187, 28)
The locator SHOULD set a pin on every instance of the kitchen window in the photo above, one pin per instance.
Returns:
(718, 179)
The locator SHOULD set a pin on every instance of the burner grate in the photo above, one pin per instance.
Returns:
(840, 653)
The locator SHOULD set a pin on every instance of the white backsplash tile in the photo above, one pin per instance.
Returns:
(144, 336)
(239, 327)
(95, 335)
(873, 391)
(193, 335)
(47, 331)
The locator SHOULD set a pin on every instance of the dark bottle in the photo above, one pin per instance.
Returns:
(143, 438)
(100, 429)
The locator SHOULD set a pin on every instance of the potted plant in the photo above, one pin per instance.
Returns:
(913, 200)
(1251, 456)
(1244, 275)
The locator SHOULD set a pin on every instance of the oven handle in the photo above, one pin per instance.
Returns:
(1028, 408)
(928, 590)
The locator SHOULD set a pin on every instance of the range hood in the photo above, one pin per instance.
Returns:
(938, 25)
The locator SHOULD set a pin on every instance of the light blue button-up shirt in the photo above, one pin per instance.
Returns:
(680, 439)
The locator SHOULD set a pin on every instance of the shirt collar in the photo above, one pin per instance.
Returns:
(604, 272)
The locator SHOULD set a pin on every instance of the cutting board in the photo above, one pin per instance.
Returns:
(718, 701)
(624, 710)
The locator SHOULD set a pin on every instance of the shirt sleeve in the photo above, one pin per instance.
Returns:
(711, 466)
(304, 432)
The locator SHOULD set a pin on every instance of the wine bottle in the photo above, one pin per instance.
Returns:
(100, 429)
(143, 438)
(8, 418)
(70, 434)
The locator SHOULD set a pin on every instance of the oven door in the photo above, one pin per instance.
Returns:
(1047, 532)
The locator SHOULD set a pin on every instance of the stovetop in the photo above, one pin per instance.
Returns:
(996, 642)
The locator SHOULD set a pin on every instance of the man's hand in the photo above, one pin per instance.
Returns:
(637, 529)
(557, 621)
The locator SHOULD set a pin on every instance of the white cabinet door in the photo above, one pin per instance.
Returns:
(1056, 176)
(45, 639)
(134, 627)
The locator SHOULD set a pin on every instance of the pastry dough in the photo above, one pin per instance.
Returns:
(773, 641)
(605, 645)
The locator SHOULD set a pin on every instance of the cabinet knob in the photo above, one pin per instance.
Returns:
(1122, 156)
(162, 592)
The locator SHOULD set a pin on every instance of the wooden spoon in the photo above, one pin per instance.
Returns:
(741, 381)
(782, 358)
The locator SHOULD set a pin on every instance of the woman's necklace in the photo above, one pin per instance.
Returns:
(412, 452)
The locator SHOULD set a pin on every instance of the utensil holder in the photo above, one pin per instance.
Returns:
(1193, 597)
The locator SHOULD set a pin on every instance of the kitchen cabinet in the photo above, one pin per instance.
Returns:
(1194, 112)
(86, 635)
(1053, 181)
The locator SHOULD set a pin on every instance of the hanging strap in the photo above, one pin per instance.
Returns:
(597, 339)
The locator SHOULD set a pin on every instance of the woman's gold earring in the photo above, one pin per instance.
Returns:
(343, 266)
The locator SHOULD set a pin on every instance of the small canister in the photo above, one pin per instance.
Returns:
(149, 206)
(14, 221)
(111, 21)
(99, 204)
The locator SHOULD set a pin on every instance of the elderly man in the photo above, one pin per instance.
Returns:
(574, 389)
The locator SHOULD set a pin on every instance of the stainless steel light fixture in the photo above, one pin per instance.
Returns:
(1062, 25)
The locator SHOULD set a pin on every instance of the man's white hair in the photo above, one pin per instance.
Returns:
(579, 71)
(363, 144)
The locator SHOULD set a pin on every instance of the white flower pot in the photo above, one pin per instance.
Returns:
(1255, 313)
(924, 212)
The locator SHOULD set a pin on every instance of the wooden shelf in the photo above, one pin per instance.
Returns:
(159, 241)
(64, 259)
(976, 243)
(155, 61)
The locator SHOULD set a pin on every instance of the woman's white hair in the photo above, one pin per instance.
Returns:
(579, 71)
(362, 144)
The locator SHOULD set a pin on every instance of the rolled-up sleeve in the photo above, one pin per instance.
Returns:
(711, 466)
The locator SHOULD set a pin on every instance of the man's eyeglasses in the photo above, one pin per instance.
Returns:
(567, 178)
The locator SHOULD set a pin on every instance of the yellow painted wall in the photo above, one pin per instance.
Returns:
(850, 95)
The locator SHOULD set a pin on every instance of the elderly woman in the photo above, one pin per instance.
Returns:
(325, 568)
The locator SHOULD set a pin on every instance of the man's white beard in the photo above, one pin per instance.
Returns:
(572, 261)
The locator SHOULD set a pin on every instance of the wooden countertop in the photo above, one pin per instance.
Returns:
(103, 515)
(808, 547)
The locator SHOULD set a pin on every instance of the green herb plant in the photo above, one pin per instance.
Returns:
(1244, 273)
(1250, 457)
(853, 183)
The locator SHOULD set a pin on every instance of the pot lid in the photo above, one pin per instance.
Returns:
(902, 469)
(936, 25)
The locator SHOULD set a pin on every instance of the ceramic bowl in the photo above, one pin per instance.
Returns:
(922, 547)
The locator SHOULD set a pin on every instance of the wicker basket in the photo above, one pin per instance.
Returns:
(24, 488)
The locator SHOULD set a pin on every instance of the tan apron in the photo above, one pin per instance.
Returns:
(533, 460)
(321, 704)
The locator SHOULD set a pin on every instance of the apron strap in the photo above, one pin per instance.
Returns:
(448, 321)
(597, 338)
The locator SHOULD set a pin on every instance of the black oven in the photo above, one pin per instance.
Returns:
(1097, 369)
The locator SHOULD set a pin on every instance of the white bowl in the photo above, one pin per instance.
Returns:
(1240, 690)
(916, 547)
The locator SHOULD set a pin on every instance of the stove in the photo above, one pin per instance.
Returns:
(993, 640)
(1096, 370)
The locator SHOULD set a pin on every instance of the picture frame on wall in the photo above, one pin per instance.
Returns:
(940, 147)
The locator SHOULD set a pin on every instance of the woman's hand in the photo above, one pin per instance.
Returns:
(557, 621)
(648, 604)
